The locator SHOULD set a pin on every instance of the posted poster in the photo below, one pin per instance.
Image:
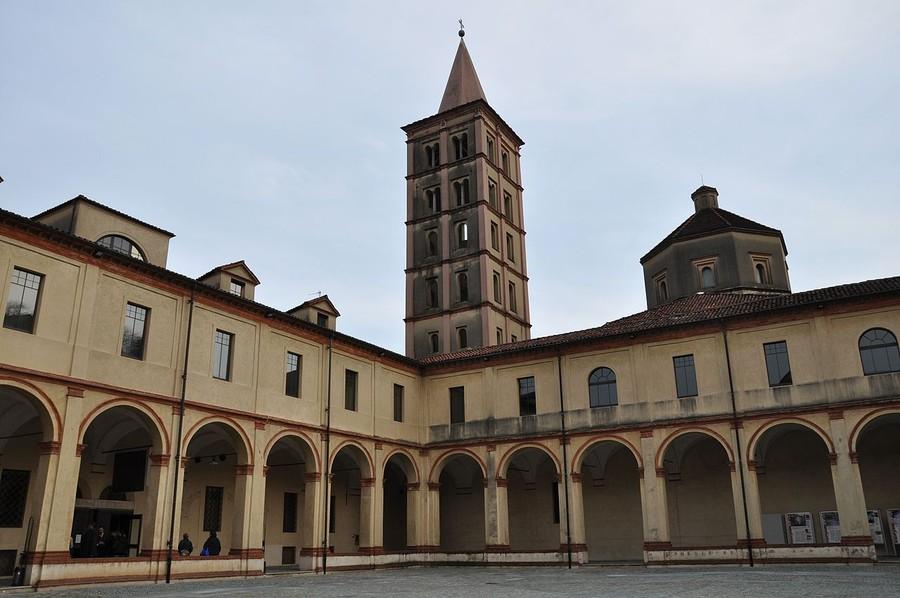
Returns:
(875, 528)
(800, 528)
(831, 526)
(894, 521)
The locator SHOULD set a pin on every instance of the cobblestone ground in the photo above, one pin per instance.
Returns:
(526, 582)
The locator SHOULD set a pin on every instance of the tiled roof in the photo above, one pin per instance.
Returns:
(703, 307)
(97, 204)
(239, 264)
(711, 221)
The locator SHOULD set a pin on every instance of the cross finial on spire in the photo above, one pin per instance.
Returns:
(462, 29)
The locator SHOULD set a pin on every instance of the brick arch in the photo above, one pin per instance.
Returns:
(141, 408)
(50, 411)
(503, 464)
(227, 422)
(865, 421)
(579, 456)
(774, 423)
(292, 434)
(405, 453)
(369, 461)
(660, 453)
(435, 474)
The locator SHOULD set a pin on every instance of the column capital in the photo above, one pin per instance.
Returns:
(243, 470)
(49, 448)
(413, 487)
(258, 425)
(434, 486)
(647, 433)
(576, 477)
(311, 477)
(74, 392)
(834, 414)
(501, 481)
(79, 449)
(379, 446)
(159, 460)
(367, 482)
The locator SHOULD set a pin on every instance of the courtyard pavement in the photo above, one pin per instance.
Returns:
(528, 582)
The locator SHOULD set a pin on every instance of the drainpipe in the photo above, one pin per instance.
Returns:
(565, 450)
(737, 437)
(327, 459)
(177, 462)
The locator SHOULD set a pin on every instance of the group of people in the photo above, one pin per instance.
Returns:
(212, 546)
(95, 542)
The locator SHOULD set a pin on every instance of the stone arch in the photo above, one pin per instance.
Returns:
(411, 467)
(660, 453)
(147, 414)
(245, 458)
(310, 446)
(863, 423)
(444, 458)
(503, 465)
(50, 418)
(359, 450)
(763, 430)
(582, 452)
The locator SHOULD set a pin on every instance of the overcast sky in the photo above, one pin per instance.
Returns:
(270, 132)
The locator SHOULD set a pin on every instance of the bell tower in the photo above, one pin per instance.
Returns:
(466, 275)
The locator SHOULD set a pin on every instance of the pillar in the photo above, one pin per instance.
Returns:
(312, 523)
(153, 528)
(653, 497)
(748, 492)
(413, 500)
(576, 514)
(848, 488)
(496, 515)
(240, 518)
(366, 515)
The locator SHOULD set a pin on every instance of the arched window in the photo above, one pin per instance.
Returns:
(879, 352)
(462, 281)
(463, 335)
(663, 291)
(432, 243)
(707, 277)
(602, 388)
(504, 159)
(435, 342)
(497, 296)
(462, 234)
(120, 244)
(429, 156)
(432, 292)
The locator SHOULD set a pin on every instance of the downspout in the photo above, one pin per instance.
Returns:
(565, 450)
(327, 459)
(737, 437)
(177, 461)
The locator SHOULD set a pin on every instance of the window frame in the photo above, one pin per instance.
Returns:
(510, 248)
(399, 400)
(241, 286)
(145, 325)
(37, 299)
(772, 355)
(132, 246)
(457, 405)
(219, 492)
(527, 398)
(462, 286)
(229, 358)
(462, 337)
(498, 288)
(702, 264)
(288, 372)
(289, 525)
(599, 379)
(434, 342)
(513, 303)
(888, 355)
(693, 369)
(351, 382)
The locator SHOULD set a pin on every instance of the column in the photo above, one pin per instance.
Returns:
(257, 511)
(653, 497)
(848, 490)
(153, 530)
(496, 515)
(42, 501)
(311, 521)
(433, 517)
(413, 499)
(240, 522)
(749, 490)
(576, 513)
(366, 516)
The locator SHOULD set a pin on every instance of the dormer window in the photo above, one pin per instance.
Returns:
(461, 145)
(120, 244)
(236, 287)
(322, 320)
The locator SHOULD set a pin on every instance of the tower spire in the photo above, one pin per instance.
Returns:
(463, 85)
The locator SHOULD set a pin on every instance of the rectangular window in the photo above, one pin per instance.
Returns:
(513, 338)
(350, 382)
(499, 336)
(21, 306)
(462, 337)
(495, 236)
(527, 397)
(212, 508)
(222, 355)
(322, 320)
(512, 297)
(13, 496)
(492, 193)
(497, 296)
(398, 403)
(685, 376)
(777, 363)
(289, 518)
(292, 374)
(507, 205)
(236, 288)
(510, 251)
(457, 405)
(134, 328)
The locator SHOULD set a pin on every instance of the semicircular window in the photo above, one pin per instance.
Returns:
(120, 244)
(602, 388)
(879, 352)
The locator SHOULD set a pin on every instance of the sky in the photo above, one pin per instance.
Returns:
(270, 132)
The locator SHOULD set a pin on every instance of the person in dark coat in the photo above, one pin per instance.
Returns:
(185, 547)
(212, 546)
(102, 548)
(88, 546)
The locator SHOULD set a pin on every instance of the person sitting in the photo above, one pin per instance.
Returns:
(212, 546)
(185, 546)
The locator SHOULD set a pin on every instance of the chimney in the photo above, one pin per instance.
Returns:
(705, 197)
